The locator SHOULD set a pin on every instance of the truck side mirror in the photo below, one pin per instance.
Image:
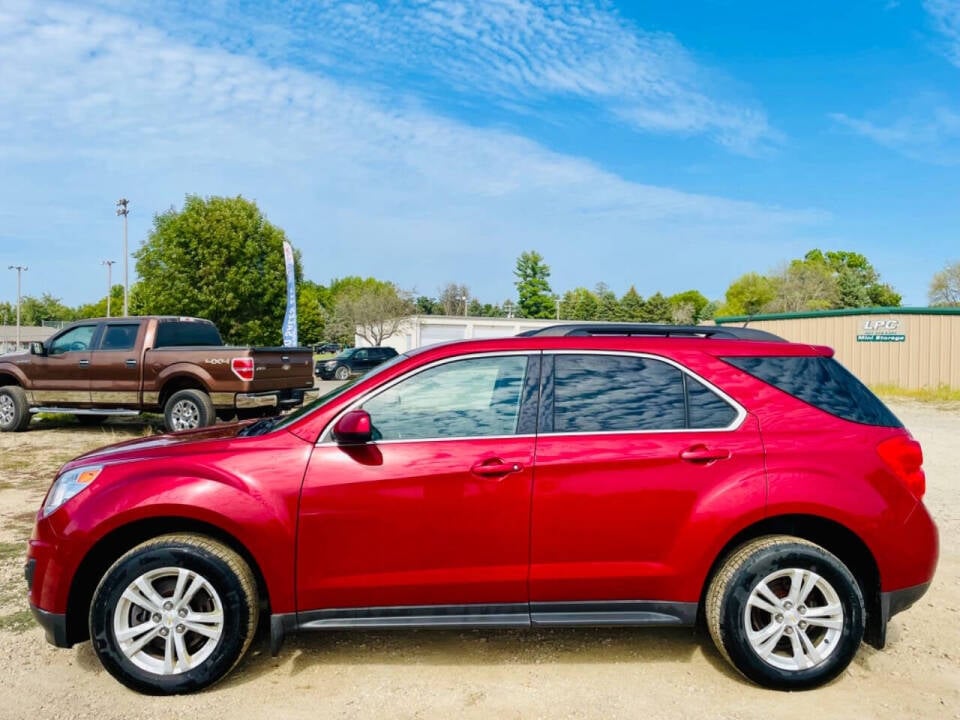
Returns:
(37, 348)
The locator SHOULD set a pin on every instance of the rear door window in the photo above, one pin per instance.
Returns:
(180, 333)
(622, 393)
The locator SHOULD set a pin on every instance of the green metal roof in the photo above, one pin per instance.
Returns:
(840, 313)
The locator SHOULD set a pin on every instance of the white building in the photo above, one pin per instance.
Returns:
(28, 334)
(420, 330)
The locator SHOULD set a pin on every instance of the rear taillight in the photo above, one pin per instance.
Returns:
(903, 455)
(243, 368)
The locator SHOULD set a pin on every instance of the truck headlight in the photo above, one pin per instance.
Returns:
(69, 484)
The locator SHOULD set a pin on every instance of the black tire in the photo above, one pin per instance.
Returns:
(90, 419)
(226, 583)
(341, 373)
(188, 410)
(14, 409)
(785, 613)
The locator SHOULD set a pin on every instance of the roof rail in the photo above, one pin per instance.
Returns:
(720, 332)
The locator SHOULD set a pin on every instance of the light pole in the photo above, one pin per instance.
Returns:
(20, 270)
(124, 211)
(464, 298)
(109, 264)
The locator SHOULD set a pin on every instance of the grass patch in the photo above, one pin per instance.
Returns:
(941, 394)
(10, 550)
(18, 622)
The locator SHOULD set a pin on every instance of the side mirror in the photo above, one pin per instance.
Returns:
(354, 428)
(37, 348)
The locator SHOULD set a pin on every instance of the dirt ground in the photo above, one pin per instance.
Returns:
(611, 673)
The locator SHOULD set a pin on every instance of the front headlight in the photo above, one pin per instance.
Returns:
(330, 364)
(69, 484)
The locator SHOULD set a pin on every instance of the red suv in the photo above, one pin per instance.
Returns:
(577, 475)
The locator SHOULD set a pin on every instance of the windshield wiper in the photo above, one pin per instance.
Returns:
(261, 426)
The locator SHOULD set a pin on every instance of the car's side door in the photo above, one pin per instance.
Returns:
(61, 377)
(115, 364)
(636, 461)
(435, 510)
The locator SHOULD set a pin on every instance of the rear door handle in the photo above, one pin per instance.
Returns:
(703, 454)
(84, 363)
(495, 467)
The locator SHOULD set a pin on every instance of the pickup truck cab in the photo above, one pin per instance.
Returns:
(175, 365)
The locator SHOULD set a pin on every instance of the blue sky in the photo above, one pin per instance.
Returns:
(664, 145)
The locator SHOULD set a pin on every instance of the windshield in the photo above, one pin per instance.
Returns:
(288, 420)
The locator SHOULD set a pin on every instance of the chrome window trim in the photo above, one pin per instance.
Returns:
(325, 436)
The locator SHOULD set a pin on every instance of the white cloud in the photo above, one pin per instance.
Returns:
(518, 53)
(929, 132)
(945, 15)
(94, 105)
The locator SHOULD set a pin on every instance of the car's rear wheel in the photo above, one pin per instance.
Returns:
(342, 372)
(785, 612)
(188, 409)
(174, 614)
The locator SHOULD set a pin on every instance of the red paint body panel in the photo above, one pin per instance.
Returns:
(621, 516)
(408, 523)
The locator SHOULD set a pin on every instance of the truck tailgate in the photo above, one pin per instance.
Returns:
(281, 368)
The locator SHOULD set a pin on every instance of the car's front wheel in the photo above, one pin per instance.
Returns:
(785, 612)
(174, 614)
(342, 372)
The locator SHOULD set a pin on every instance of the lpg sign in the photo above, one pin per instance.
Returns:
(891, 330)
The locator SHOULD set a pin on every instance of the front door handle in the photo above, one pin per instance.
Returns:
(83, 363)
(495, 467)
(704, 455)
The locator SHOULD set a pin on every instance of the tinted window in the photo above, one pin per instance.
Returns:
(706, 409)
(467, 398)
(595, 393)
(120, 336)
(823, 383)
(179, 333)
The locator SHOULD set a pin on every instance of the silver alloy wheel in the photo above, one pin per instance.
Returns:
(168, 621)
(8, 410)
(341, 373)
(185, 415)
(794, 619)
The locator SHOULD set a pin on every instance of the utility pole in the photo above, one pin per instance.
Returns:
(124, 211)
(464, 298)
(109, 264)
(20, 270)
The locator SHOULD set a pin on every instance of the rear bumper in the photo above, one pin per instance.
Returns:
(275, 398)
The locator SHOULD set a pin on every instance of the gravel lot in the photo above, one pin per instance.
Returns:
(616, 673)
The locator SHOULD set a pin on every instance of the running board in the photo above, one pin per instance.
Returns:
(116, 412)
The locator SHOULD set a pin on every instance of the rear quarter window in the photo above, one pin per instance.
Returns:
(823, 383)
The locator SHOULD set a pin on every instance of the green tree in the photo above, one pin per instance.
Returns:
(34, 311)
(945, 286)
(858, 282)
(580, 304)
(424, 305)
(609, 306)
(312, 304)
(373, 311)
(99, 308)
(688, 307)
(657, 309)
(632, 306)
(805, 285)
(217, 258)
(748, 295)
(533, 287)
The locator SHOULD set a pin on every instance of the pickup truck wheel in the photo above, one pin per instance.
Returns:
(14, 409)
(174, 614)
(188, 409)
(786, 613)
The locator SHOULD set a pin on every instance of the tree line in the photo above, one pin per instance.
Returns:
(221, 259)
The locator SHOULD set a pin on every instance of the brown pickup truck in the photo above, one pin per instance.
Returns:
(174, 365)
